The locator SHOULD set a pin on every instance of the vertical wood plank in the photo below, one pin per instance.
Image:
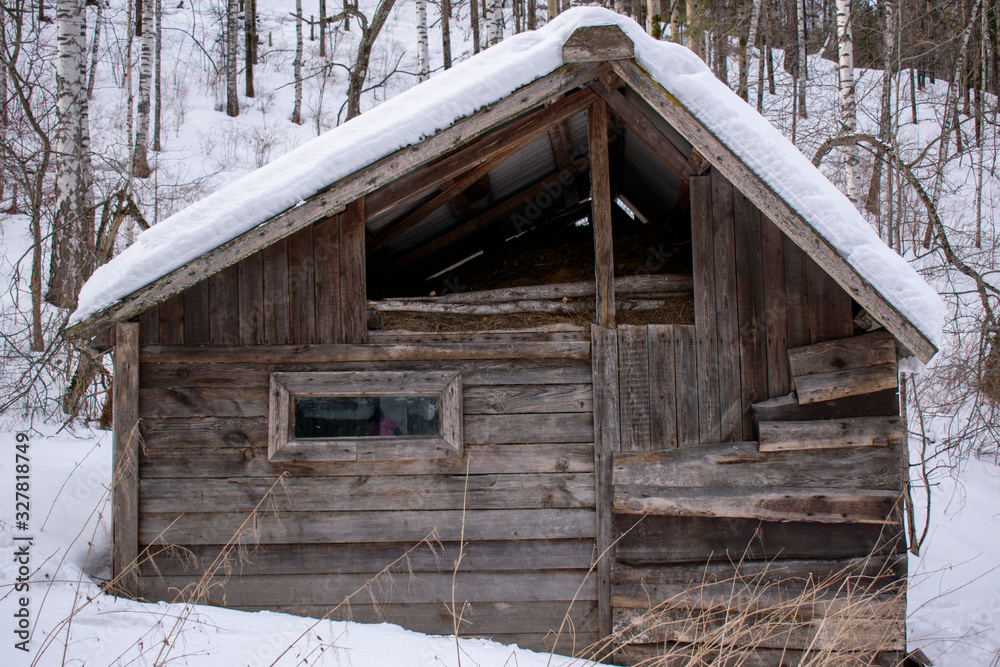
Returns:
(276, 318)
(353, 267)
(125, 457)
(706, 329)
(326, 256)
(633, 383)
(600, 200)
(662, 391)
(830, 311)
(301, 288)
(604, 360)
(726, 306)
(750, 307)
(251, 297)
(686, 383)
(772, 250)
(224, 296)
(796, 295)
(197, 325)
(149, 326)
(172, 320)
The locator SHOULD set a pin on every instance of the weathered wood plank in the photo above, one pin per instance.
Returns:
(874, 349)
(310, 354)
(125, 457)
(797, 303)
(705, 311)
(633, 388)
(662, 392)
(597, 43)
(524, 428)
(821, 505)
(353, 269)
(436, 587)
(474, 372)
(726, 305)
(662, 539)
(509, 399)
(172, 321)
(839, 384)
(830, 433)
(251, 299)
(835, 319)
(600, 201)
(276, 297)
(204, 402)
(686, 383)
(775, 324)
(741, 465)
(301, 287)
(326, 259)
(197, 320)
(545, 332)
(288, 527)
(776, 208)
(379, 492)
(787, 408)
(149, 326)
(366, 180)
(492, 555)
(224, 295)
(751, 307)
(607, 441)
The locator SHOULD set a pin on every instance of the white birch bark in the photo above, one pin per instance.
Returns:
(675, 21)
(754, 26)
(70, 247)
(493, 17)
(232, 42)
(652, 9)
(140, 164)
(423, 56)
(297, 65)
(848, 113)
(157, 66)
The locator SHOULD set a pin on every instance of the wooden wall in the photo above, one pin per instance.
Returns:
(528, 499)
(307, 288)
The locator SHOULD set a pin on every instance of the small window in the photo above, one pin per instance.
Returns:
(365, 416)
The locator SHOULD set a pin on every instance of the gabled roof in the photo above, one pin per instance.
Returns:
(461, 104)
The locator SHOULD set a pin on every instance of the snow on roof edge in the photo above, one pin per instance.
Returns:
(484, 79)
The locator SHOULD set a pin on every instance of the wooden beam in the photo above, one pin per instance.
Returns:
(821, 387)
(846, 353)
(607, 441)
(333, 199)
(600, 201)
(125, 459)
(831, 433)
(597, 43)
(781, 212)
(527, 131)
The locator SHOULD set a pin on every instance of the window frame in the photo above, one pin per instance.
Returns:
(285, 386)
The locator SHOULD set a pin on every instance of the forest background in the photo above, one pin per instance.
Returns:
(116, 114)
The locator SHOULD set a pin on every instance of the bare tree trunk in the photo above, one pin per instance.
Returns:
(493, 18)
(848, 113)
(297, 65)
(474, 19)
(158, 66)
(888, 61)
(250, 37)
(802, 73)
(71, 245)
(369, 33)
(140, 164)
(129, 114)
(695, 27)
(423, 55)
(446, 32)
(652, 17)
(322, 28)
(98, 26)
(531, 8)
(232, 47)
(675, 21)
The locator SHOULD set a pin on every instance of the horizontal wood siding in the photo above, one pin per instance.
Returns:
(522, 497)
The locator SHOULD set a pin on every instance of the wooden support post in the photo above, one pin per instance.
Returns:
(604, 358)
(353, 290)
(600, 201)
(125, 452)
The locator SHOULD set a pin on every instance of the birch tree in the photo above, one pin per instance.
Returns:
(297, 63)
(493, 17)
(848, 112)
(232, 41)
(423, 57)
(145, 32)
(72, 232)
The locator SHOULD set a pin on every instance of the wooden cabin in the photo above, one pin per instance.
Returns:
(567, 360)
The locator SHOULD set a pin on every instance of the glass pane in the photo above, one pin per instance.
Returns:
(366, 416)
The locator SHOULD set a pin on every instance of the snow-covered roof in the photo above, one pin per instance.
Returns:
(480, 81)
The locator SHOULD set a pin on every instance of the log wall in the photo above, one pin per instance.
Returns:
(522, 497)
